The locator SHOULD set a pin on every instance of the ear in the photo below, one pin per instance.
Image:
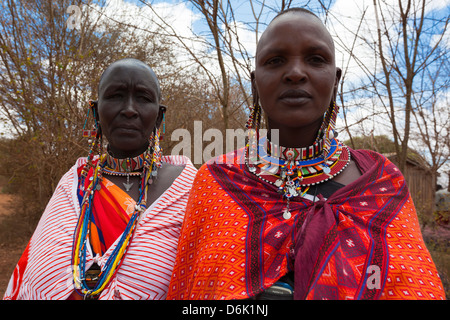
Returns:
(336, 82)
(161, 112)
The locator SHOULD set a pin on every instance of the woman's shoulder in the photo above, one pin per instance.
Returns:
(361, 160)
(174, 167)
(177, 160)
(349, 174)
(366, 159)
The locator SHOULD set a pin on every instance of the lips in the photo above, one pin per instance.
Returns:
(127, 128)
(295, 96)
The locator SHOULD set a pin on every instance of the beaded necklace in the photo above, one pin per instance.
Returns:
(126, 164)
(125, 167)
(294, 170)
(151, 162)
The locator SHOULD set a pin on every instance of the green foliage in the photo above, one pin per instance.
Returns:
(380, 144)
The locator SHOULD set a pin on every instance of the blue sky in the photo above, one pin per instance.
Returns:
(242, 9)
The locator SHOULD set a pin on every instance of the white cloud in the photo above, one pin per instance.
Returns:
(344, 23)
(178, 16)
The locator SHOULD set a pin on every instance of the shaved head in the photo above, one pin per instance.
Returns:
(130, 62)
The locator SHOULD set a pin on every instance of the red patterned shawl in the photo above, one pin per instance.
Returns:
(364, 242)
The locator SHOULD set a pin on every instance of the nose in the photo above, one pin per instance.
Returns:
(295, 72)
(130, 108)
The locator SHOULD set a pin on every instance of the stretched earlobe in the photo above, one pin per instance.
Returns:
(94, 107)
(161, 116)
(254, 88)
(95, 132)
(254, 119)
(336, 83)
(161, 120)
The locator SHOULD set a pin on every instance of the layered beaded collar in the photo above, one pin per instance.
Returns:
(295, 154)
(294, 170)
(126, 165)
(273, 166)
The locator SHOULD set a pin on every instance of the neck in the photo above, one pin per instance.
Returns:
(123, 154)
(294, 137)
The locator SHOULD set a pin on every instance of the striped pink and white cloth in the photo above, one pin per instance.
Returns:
(45, 273)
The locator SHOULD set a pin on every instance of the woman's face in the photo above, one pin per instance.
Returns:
(295, 75)
(128, 107)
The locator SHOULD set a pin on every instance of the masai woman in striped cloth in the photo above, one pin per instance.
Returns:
(299, 215)
(111, 228)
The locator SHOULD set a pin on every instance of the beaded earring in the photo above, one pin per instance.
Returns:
(254, 118)
(157, 153)
(163, 122)
(253, 124)
(90, 133)
(327, 131)
(96, 132)
(154, 142)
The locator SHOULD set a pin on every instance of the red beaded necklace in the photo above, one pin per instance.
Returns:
(294, 170)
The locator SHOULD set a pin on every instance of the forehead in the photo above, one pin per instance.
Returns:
(295, 27)
(130, 73)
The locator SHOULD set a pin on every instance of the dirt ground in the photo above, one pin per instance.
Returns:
(9, 252)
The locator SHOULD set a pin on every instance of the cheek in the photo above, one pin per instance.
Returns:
(106, 111)
(265, 86)
(325, 83)
(104, 118)
(149, 120)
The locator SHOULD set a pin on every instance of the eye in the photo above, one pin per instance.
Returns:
(113, 96)
(274, 60)
(317, 60)
(145, 99)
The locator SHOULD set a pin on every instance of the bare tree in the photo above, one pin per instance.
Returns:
(407, 72)
(406, 59)
(49, 69)
(232, 61)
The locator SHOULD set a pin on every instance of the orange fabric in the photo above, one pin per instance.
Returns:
(112, 210)
(362, 243)
(411, 273)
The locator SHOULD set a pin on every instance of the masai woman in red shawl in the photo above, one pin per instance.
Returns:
(111, 228)
(304, 217)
